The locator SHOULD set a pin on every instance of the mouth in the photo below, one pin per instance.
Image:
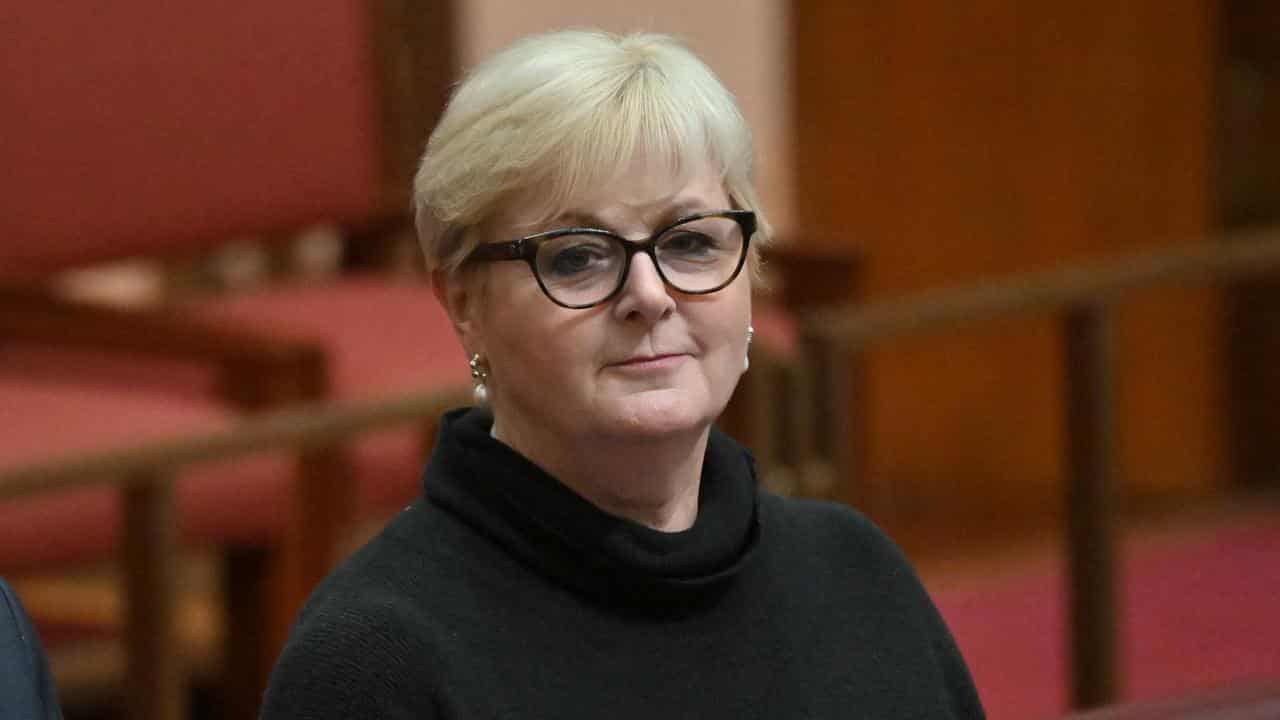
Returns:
(651, 362)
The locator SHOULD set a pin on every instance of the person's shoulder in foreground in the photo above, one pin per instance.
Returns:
(26, 687)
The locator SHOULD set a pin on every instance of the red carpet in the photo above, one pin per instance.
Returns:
(1198, 611)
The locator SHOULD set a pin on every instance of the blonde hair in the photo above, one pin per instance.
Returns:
(565, 112)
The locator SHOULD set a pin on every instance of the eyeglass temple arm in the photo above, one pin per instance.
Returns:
(514, 250)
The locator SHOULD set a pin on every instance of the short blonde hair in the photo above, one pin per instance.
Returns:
(565, 112)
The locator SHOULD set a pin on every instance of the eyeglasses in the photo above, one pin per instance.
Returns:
(583, 267)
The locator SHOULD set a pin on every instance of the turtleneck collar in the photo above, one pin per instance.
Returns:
(558, 533)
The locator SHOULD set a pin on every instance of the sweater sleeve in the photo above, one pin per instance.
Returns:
(958, 683)
(893, 570)
(961, 693)
(347, 663)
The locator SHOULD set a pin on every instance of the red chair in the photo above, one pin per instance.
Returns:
(160, 129)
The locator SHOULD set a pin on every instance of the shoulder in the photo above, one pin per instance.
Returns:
(868, 570)
(828, 529)
(350, 656)
(26, 687)
(824, 514)
(834, 547)
(826, 540)
(360, 646)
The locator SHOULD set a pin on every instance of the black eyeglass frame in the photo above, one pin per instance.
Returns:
(526, 248)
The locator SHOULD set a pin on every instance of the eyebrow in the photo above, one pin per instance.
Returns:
(671, 213)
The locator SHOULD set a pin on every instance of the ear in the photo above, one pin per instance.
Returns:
(459, 297)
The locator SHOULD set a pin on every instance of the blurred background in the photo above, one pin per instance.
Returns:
(203, 218)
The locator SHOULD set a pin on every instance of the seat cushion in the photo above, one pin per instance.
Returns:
(47, 417)
(383, 336)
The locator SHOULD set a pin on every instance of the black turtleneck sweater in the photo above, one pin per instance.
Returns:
(503, 594)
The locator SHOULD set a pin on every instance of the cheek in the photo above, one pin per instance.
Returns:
(733, 317)
(540, 349)
(510, 323)
(725, 333)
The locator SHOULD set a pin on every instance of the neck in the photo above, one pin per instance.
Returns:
(651, 481)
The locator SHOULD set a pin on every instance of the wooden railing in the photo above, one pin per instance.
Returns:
(144, 474)
(1082, 298)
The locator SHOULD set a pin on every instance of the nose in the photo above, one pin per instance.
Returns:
(644, 295)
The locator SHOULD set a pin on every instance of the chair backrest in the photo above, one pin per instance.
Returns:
(154, 127)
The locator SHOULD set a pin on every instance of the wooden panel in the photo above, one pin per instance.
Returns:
(962, 141)
(415, 61)
(1248, 193)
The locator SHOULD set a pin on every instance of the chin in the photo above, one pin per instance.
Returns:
(656, 413)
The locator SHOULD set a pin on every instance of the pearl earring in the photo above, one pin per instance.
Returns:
(746, 360)
(479, 374)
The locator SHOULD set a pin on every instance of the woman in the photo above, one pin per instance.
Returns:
(589, 545)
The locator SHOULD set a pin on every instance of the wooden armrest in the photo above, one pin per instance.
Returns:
(256, 370)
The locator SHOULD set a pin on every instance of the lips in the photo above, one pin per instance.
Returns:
(647, 358)
(660, 361)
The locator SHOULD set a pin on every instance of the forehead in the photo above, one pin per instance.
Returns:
(640, 194)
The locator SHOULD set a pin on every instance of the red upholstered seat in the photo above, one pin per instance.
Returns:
(46, 417)
(382, 335)
(383, 338)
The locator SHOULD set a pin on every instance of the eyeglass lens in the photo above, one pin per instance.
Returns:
(695, 256)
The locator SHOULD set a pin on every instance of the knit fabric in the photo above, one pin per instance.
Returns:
(503, 594)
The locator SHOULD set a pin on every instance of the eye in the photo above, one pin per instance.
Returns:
(575, 256)
(688, 244)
